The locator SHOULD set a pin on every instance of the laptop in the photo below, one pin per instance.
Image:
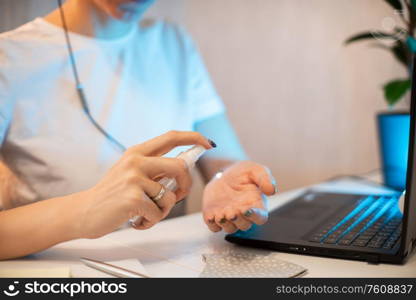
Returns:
(349, 226)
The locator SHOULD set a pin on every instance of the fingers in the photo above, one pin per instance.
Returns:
(171, 168)
(225, 224)
(143, 224)
(153, 190)
(151, 213)
(256, 215)
(241, 223)
(210, 221)
(164, 143)
(167, 203)
(183, 178)
(231, 221)
(263, 178)
(150, 187)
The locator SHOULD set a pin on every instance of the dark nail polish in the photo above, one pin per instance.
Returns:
(223, 220)
(212, 143)
(248, 212)
(234, 218)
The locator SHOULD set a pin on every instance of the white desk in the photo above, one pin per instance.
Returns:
(173, 248)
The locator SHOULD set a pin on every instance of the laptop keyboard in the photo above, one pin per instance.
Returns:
(373, 222)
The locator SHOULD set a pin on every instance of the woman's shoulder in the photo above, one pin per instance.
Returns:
(26, 32)
(13, 43)
(28, 39)
(24, 49)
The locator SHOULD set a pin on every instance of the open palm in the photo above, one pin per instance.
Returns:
(236, 200)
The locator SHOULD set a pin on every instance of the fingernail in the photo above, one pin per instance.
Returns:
(248, 212)
(274, 182)
(133, 224)
(234, 218)
(275, 187)
(212, 143)
(223, 220)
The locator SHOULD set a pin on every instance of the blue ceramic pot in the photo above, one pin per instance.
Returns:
(393, 129)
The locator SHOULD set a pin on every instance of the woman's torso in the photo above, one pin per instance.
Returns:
(135, 86)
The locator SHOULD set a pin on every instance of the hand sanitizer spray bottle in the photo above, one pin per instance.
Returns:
(190, 157)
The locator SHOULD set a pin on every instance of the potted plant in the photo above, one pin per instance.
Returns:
(393, 126)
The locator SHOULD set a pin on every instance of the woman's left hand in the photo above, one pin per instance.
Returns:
(236, 200)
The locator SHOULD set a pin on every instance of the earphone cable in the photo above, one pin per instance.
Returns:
(79, 87)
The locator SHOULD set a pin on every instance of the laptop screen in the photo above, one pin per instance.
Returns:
(409, 216)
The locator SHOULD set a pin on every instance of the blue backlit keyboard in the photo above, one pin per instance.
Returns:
(373, 222)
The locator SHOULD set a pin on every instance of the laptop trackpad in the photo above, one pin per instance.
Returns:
(303, 214)
(305, 211)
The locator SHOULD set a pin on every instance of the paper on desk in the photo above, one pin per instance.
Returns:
(133, 264)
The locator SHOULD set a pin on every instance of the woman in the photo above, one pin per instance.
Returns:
(139, 81)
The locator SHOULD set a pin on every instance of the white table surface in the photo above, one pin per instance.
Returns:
(173, 248)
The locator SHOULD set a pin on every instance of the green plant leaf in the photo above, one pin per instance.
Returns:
(402, 53)
(396, 4)
(370, 35)
(395, 90)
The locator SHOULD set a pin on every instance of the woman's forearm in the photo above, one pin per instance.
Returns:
(123, 192)
(35, 227)
(229, 150)
(9, 185)
(210, 166)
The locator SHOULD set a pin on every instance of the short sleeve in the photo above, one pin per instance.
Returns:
(205, 102)
(5, 101)
(4, 123)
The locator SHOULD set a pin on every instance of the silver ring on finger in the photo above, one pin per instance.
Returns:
(160, 195)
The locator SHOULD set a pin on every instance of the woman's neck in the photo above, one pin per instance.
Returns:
(84, 18)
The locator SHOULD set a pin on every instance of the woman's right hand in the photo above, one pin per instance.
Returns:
(127, 188)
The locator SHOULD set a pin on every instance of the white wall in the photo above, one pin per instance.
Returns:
(301, 102)
(16, 12)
